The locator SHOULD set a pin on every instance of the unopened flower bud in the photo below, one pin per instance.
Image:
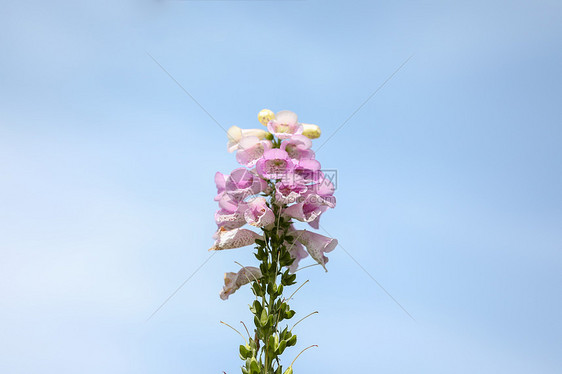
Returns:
(235, 133)
(311, 131)
(265, 115)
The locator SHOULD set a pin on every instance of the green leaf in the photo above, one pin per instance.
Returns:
(289, 370)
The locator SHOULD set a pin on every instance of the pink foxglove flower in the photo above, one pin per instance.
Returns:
(251, 150)
(228, 204)
(242, 183)
(231, 220)
(275, 164)
(316, 245)
(233, 281)
(285, 125)
(298, 147)
(258, 213)
(220, 179)
(289, 191)
(307, 170)
(323, 186)
(309, 209)
(235, 134)
(296, 250)
(236, 238)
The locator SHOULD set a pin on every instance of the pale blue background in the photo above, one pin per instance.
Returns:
(449, 181)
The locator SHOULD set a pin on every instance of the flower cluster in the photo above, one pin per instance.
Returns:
(279, 182)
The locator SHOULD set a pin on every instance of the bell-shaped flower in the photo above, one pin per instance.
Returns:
(235, 238)
(325, 189)
(231, 220)
(228, 204)
(233, 281)
(251, 150)
(323, 186)
(285, 125)
(275, 164)
(316, 245)
(298, 148)
(289, 191)
(258, 213)
(307, 170)
(311, 131)
(220, 179)
(309, 209)
(242, 183)
(235, 134)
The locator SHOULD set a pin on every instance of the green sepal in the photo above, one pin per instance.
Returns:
(263, 318)
(281, 347)
(289, 314)
(292, 341)
(254, 366)
(271, 346)
(245, 352)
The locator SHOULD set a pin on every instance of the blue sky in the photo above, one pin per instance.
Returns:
(448, 181)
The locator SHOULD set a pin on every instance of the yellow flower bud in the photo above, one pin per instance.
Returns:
(265, 115)
(311, 131)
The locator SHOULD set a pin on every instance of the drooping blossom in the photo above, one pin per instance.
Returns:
(316, 245)
(231, 220)
(307, 170)
(284, 125)
(235, 238)
(298, 147)
(228, 204)
(235, 134)
(324, 188)
(297, 252)
(309, 209)
(258, 213)
(242, 183)
(233, 281)
(274, 164)
(251, 150)
(289, 191)
(220, 179)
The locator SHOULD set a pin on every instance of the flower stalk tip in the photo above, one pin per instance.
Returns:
(265, 115)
